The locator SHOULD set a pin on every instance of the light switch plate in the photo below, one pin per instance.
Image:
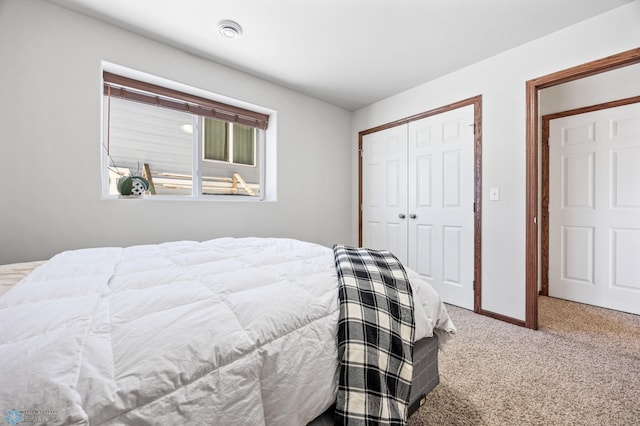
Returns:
(494, 194)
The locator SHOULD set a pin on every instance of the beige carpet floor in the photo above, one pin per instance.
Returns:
(582, 367)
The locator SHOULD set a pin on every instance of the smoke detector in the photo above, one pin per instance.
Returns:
(229, 29)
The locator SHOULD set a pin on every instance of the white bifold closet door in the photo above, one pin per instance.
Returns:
(418, 194)
(594, 208)
(384, 191)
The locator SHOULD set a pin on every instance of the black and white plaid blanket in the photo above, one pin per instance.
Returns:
(375, 338)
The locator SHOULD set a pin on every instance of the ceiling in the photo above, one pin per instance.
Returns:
(349, 53)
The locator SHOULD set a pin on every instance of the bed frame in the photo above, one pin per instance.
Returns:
(425, 378)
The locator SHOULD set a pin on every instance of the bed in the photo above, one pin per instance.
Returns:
(226, 331)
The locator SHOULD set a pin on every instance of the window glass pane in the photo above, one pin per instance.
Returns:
(229, 176)
(223, 177)
(215, 140)
(243, 144)
(142, 134)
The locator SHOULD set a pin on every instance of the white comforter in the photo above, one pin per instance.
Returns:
(222, 332)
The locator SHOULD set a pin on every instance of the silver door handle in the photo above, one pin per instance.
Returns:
(401, 216)
(412, 216)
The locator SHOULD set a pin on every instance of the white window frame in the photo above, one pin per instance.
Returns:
(265, 144)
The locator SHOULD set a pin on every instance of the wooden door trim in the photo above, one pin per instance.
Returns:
(476, 101)
(545, 179)
(629, 57)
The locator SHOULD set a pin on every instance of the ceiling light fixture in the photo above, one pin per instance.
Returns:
(229, 29)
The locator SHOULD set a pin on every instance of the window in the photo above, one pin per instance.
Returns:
(183, 144)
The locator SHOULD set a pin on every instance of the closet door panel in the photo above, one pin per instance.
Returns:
(447, 140)
(384, 192)
(424, 247)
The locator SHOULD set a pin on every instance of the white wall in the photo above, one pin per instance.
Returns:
(501, 81)
(50, 130)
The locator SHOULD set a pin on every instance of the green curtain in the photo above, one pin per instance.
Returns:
(215, 140)
(243, 144)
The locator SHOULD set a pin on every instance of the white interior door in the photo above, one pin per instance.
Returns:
(384, 191)
(441, 198)
(594, 208)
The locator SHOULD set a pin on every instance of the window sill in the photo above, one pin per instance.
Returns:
(205, 198)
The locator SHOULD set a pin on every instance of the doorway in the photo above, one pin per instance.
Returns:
(533, 87)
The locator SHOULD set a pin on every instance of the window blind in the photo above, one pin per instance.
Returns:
(140, 91)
